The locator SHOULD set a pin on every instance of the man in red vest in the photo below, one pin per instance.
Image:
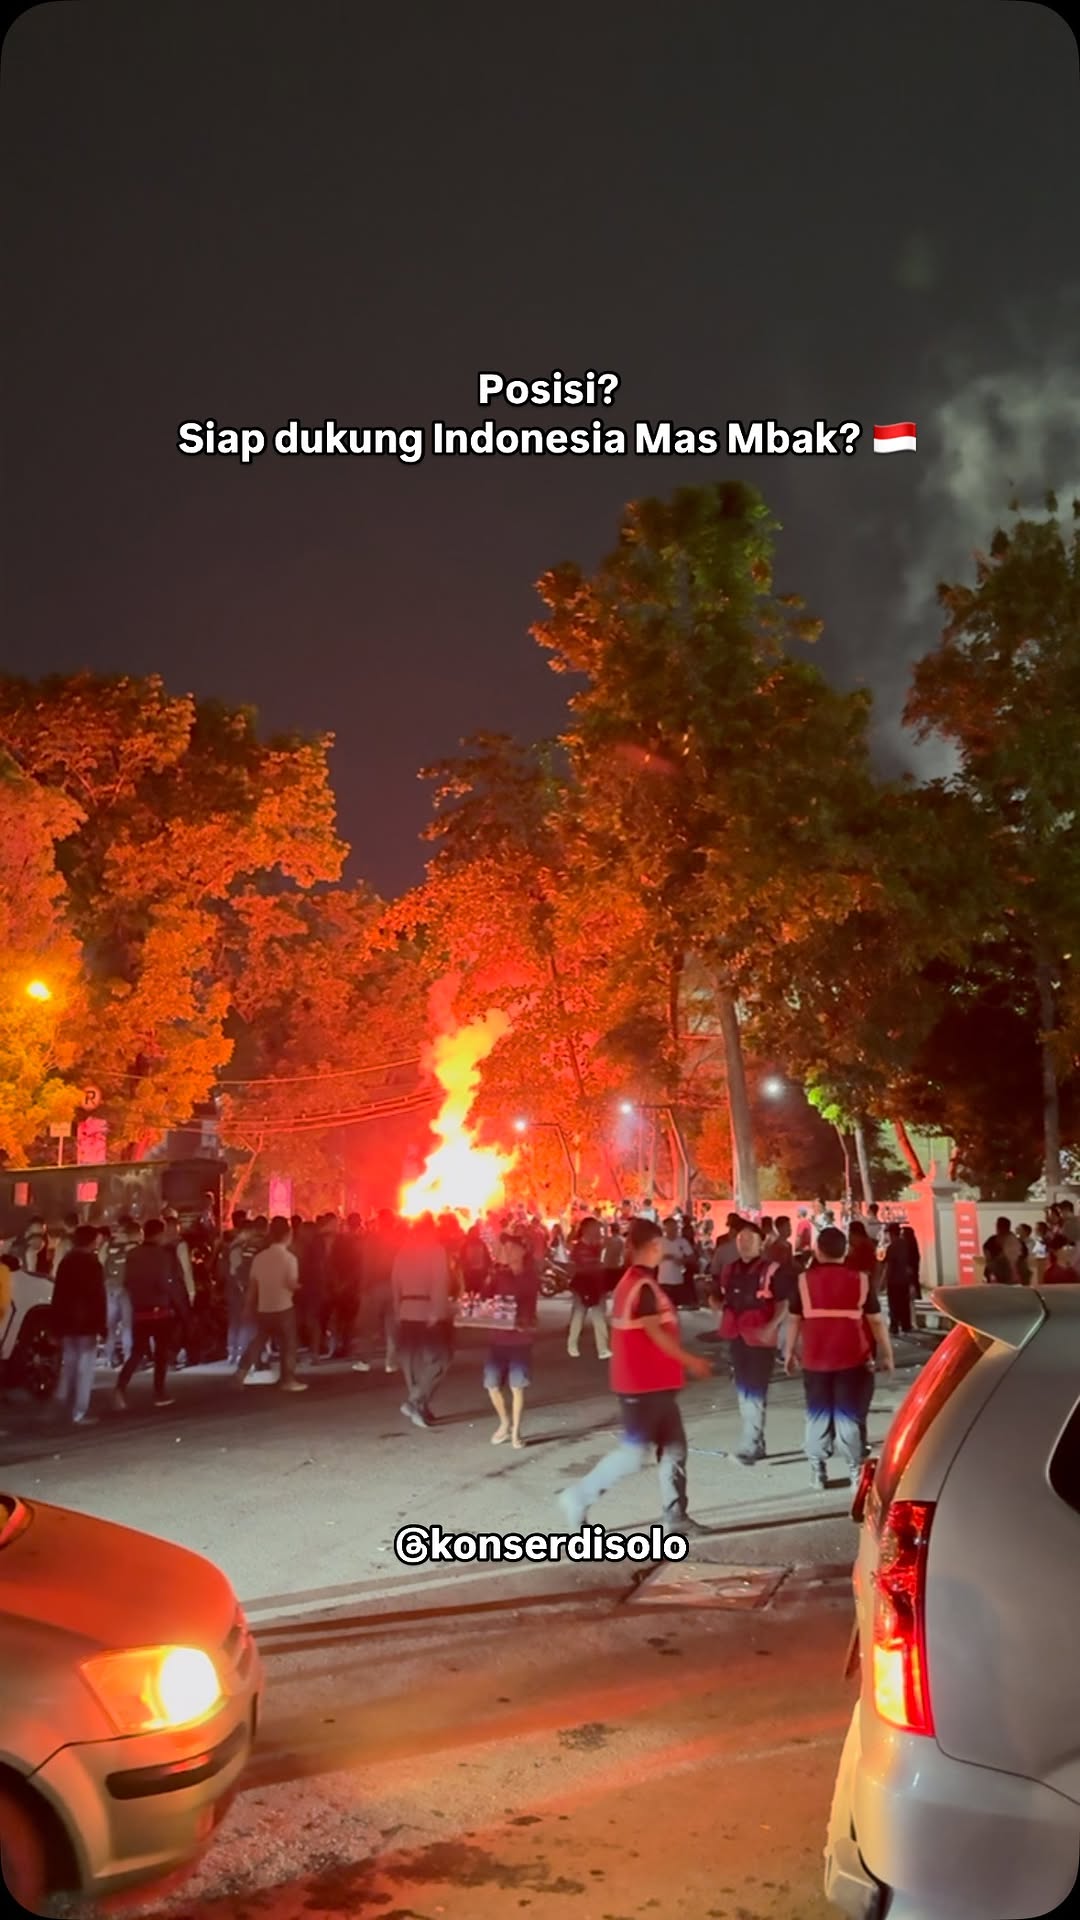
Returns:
(648, 1367)
(838, 1323)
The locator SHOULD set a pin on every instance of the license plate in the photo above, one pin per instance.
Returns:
(851, 1664)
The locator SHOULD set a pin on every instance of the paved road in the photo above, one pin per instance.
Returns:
(299, 1497)
(470, 1742)
(576, 1760)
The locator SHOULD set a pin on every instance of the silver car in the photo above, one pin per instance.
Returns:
(129, 1696)
(959, 1786)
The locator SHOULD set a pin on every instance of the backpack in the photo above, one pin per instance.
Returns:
(116, 1254)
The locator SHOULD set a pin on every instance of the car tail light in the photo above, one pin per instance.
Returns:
(901, 1680)
(862, 1490)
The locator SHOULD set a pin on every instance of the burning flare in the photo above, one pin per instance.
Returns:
(460, 1175)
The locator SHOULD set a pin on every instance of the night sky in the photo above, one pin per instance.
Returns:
(247, 211)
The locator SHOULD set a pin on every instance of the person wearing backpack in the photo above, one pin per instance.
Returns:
(118, 1321)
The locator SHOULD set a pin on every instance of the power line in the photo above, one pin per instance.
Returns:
(288, 1079)
(321, 1122)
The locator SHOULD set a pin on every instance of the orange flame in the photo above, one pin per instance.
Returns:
(460, 1175)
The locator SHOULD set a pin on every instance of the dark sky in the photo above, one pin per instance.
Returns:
(250, 211)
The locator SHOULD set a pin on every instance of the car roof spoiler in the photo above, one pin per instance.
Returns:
(1009, 1314)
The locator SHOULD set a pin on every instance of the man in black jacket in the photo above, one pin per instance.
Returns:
(78, 1318)
(158, 1303)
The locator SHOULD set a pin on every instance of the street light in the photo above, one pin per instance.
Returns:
(37, 990)
(626, 1106)
(521, 1126)
(773, 1087)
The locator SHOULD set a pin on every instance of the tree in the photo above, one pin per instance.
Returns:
(179, 804)
(976, 1075)
(328, 1022)
(37, 1036)
(1002, 688)
(714, 771)
(849, 1005)
(502, 909)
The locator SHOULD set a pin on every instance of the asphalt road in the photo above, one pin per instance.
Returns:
(670, 1755)
(461, 1742)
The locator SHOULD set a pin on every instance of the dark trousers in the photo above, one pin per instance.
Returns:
(281, 1327)
(149, 1337)
(425, 1353)
(900, 1309)
(836, 1403)
(651, 1424)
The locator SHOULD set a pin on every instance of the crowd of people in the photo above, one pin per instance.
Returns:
(805, 1295)
(1046, 1254)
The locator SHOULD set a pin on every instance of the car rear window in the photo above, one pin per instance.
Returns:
(959, 1352)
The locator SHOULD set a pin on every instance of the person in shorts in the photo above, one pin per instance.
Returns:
(509, 1359)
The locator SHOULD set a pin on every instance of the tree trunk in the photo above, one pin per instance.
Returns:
(742, 1130)
(903, 1141)
(1044, 980)
(575, 1068)
(846, 1151)
(244, 1179)
(863, 1155)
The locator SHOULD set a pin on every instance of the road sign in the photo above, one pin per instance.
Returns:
(91, 1098)
(61, 1130)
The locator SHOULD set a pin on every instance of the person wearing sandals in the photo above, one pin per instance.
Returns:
(509, 1358)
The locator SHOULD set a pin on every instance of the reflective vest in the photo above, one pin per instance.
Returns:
(637, 1363)
(835, 1335)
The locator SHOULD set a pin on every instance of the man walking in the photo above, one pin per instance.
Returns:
(118, 1332)
(79, 1320)
(509, 1359)
(423, 1311)
(753, 1293)
(275, 1277)
(158, 1303)
(648, 1370)
(838, 1324)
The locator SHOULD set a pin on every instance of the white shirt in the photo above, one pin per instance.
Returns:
(276, 1275)
(672, 1255)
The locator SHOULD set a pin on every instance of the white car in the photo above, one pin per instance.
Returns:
(958, 1793)
(29, 1351)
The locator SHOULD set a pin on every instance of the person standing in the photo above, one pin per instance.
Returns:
(861, 1254)
(423, 1310)
(237, 1256)
(648, 1370)
(509, 1359)
(118, 1332)
(1069, 1223)
(873, 1222)
(752, 1294)
(896, 1267)
(157, 1305)
(838, 1324)
(589, 1286)
(378, 1253)
(1010, 1246)
(998, 1269)
(79, 1320)
(272, 1290)
(676, 1255)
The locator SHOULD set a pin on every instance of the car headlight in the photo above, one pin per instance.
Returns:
(148, 1688)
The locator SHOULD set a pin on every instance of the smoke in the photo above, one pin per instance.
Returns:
(1002, 422)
